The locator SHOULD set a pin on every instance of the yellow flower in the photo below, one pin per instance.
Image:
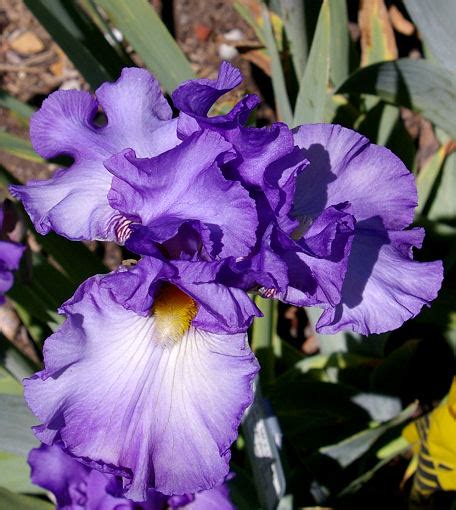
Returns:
(433, 439)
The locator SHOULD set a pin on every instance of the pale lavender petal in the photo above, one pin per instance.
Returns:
(162, 415)
(74, 201)
(379, 291)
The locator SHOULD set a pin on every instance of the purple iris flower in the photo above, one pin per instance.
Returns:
(149, 376)
(137, 383)
(77, 486)
(333, 207)
(10, 256)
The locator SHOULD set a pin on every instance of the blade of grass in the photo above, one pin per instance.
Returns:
(339, 62)
(248, 14)
(427, 178)
(435, 21)
(313, 90)
(416, 84)
(20, 502)
(23, 110)
(278, 79)
(101, 22)
(79, 38)
(14, 361)
(18, 147)
(294, 19)
(262, 337)
(150, 38)
(377, 37)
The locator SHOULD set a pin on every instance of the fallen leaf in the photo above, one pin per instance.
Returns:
(400, 23)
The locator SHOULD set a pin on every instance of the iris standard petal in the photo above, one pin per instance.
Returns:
(185, 184)
(194, 98)
(125, 393)
(256, 148)
(346, 167)
(74, 201)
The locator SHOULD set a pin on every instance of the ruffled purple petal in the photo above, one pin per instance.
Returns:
(223, 307)
(217, 498)
(345, 167)
(384, 286)
(161, 415)
(279, 186)
(185, 184)
(194, 98)
(197, 96)
(257, 148)
(135, 287)
(74, 201)
(76, 486)
(381, 289)
(59, 473)
(6, 282)
(10, 255)
(317, 261)
(265, 268)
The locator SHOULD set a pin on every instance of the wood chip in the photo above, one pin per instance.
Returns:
(27, 43)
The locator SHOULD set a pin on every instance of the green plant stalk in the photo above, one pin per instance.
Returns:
(263, 337)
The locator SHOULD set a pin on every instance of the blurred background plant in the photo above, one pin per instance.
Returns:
(327, 426)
